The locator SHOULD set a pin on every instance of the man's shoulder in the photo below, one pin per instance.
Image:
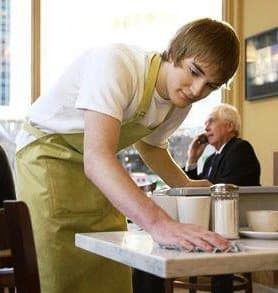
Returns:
(239, 146)
(114, 54)
(237, 142)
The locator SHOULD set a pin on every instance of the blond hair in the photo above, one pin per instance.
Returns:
(211, 41)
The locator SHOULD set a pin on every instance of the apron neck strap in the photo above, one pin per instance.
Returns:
(150, 81)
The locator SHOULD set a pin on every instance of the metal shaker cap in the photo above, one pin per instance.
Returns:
(223, 188)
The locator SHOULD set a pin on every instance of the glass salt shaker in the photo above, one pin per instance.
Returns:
(225, 215)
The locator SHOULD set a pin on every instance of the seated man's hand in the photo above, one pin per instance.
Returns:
(196, 148)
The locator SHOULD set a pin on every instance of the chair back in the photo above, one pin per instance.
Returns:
(7, 279)
(21, 240)
(4, 239)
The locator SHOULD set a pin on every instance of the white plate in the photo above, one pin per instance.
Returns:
(257, 244)
(258, 235)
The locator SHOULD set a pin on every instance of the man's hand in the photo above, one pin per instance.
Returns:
(196, 148)
(187, 236)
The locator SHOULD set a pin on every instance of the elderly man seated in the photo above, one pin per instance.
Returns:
(234, 160)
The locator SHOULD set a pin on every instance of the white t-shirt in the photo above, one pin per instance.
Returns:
(107, 80)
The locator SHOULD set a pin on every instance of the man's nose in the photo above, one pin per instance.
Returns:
(197, 88)
(207, 126)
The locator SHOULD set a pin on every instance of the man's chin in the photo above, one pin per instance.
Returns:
(182, 103)
(211, 142)
(182, 106)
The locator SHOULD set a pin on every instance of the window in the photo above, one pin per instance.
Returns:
(15, 50)
(4, 51)
(15, 69)
(69, 28)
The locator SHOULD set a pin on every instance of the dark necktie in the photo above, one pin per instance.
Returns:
(213, 163)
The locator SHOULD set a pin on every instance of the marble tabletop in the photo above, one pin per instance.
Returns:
(243, 190)
(137, 249)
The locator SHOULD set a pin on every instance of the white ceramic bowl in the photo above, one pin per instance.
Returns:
(262, 220)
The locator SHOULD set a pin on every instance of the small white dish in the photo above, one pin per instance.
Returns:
(257, 234)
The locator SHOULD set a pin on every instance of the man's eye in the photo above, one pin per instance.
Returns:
(193, 72)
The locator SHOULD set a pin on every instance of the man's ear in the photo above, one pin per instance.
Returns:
(230, 126)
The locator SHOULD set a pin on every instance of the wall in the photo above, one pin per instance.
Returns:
(260, 118)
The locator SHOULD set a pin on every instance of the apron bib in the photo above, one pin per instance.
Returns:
(62, 202)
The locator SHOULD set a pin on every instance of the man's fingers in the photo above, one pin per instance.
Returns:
(216, 240)
(185, 244)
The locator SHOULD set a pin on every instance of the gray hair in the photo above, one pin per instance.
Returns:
(228, 113)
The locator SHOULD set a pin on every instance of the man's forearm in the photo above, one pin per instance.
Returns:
(161, 162)
(122, 192)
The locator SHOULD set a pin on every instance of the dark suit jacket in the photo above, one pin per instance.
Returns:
(236, 164)
(7, 189)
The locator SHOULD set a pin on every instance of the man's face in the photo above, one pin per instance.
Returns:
(218, 131)
(190, 81)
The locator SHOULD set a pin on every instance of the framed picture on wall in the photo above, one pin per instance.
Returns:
(261, 67)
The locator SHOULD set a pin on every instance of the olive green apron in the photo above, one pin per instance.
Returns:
(62, 201)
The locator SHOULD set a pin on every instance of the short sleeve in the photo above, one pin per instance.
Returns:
(107, 84)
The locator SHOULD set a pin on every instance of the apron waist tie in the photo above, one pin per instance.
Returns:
(33, 130)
